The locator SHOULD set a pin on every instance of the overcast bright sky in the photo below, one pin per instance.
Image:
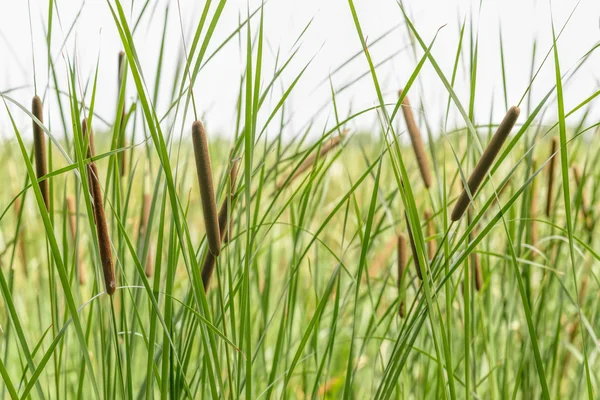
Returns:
(331, 39)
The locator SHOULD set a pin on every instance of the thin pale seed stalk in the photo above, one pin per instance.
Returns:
(402, 257)
(485, 162)
(72, 213)
(551, 166)
(207, 191)
(39, 142)
(310, 160)
(209, 263)
(101, 227)
(417, 141)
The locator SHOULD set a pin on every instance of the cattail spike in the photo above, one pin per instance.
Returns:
(413, 248)
(101, 227)
(402, 257)
(207, 191)
(209, 263)
(417, 142)
(39, 141)
(485, 162)
(551, 164)
(310, 160)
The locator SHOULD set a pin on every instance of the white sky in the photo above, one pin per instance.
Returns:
(331, 38)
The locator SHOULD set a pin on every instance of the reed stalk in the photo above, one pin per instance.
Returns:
(416, 141)
(100, 217)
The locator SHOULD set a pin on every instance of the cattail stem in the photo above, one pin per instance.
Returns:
(210, 261)
(121, 140)
(39, 142)
(533, 210)
(21, 236)
(417, 142)
(475, 262)
(101, 227)
(485, 162)
(402, 257)
(144, 218)
(431, 233)
(585, 211)
(551, 166)
(413, 248)
(207, 191)
(72, 213)
(310, 160)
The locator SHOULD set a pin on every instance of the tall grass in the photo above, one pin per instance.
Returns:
(300, 285)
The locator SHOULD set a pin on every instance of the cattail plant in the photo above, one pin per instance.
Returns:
(21, 236)
(39, 143)
(121, 141)
(207, 191)
(72, 213)
(585, 211)
(209, 263)
(310, 160)
(99, 215)
(402, 257)
(485, 162)
(413, 248)
(431, 233)
(417, 142)
(551, 164)
(144, 218)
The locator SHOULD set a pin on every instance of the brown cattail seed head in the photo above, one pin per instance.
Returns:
(417, 142)
(39, 142)
(207, 191)
(414, 249)
(551, 164)
(477, 270)
(100, 217)
(209, 263)
(402, 257)
(485, 162)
